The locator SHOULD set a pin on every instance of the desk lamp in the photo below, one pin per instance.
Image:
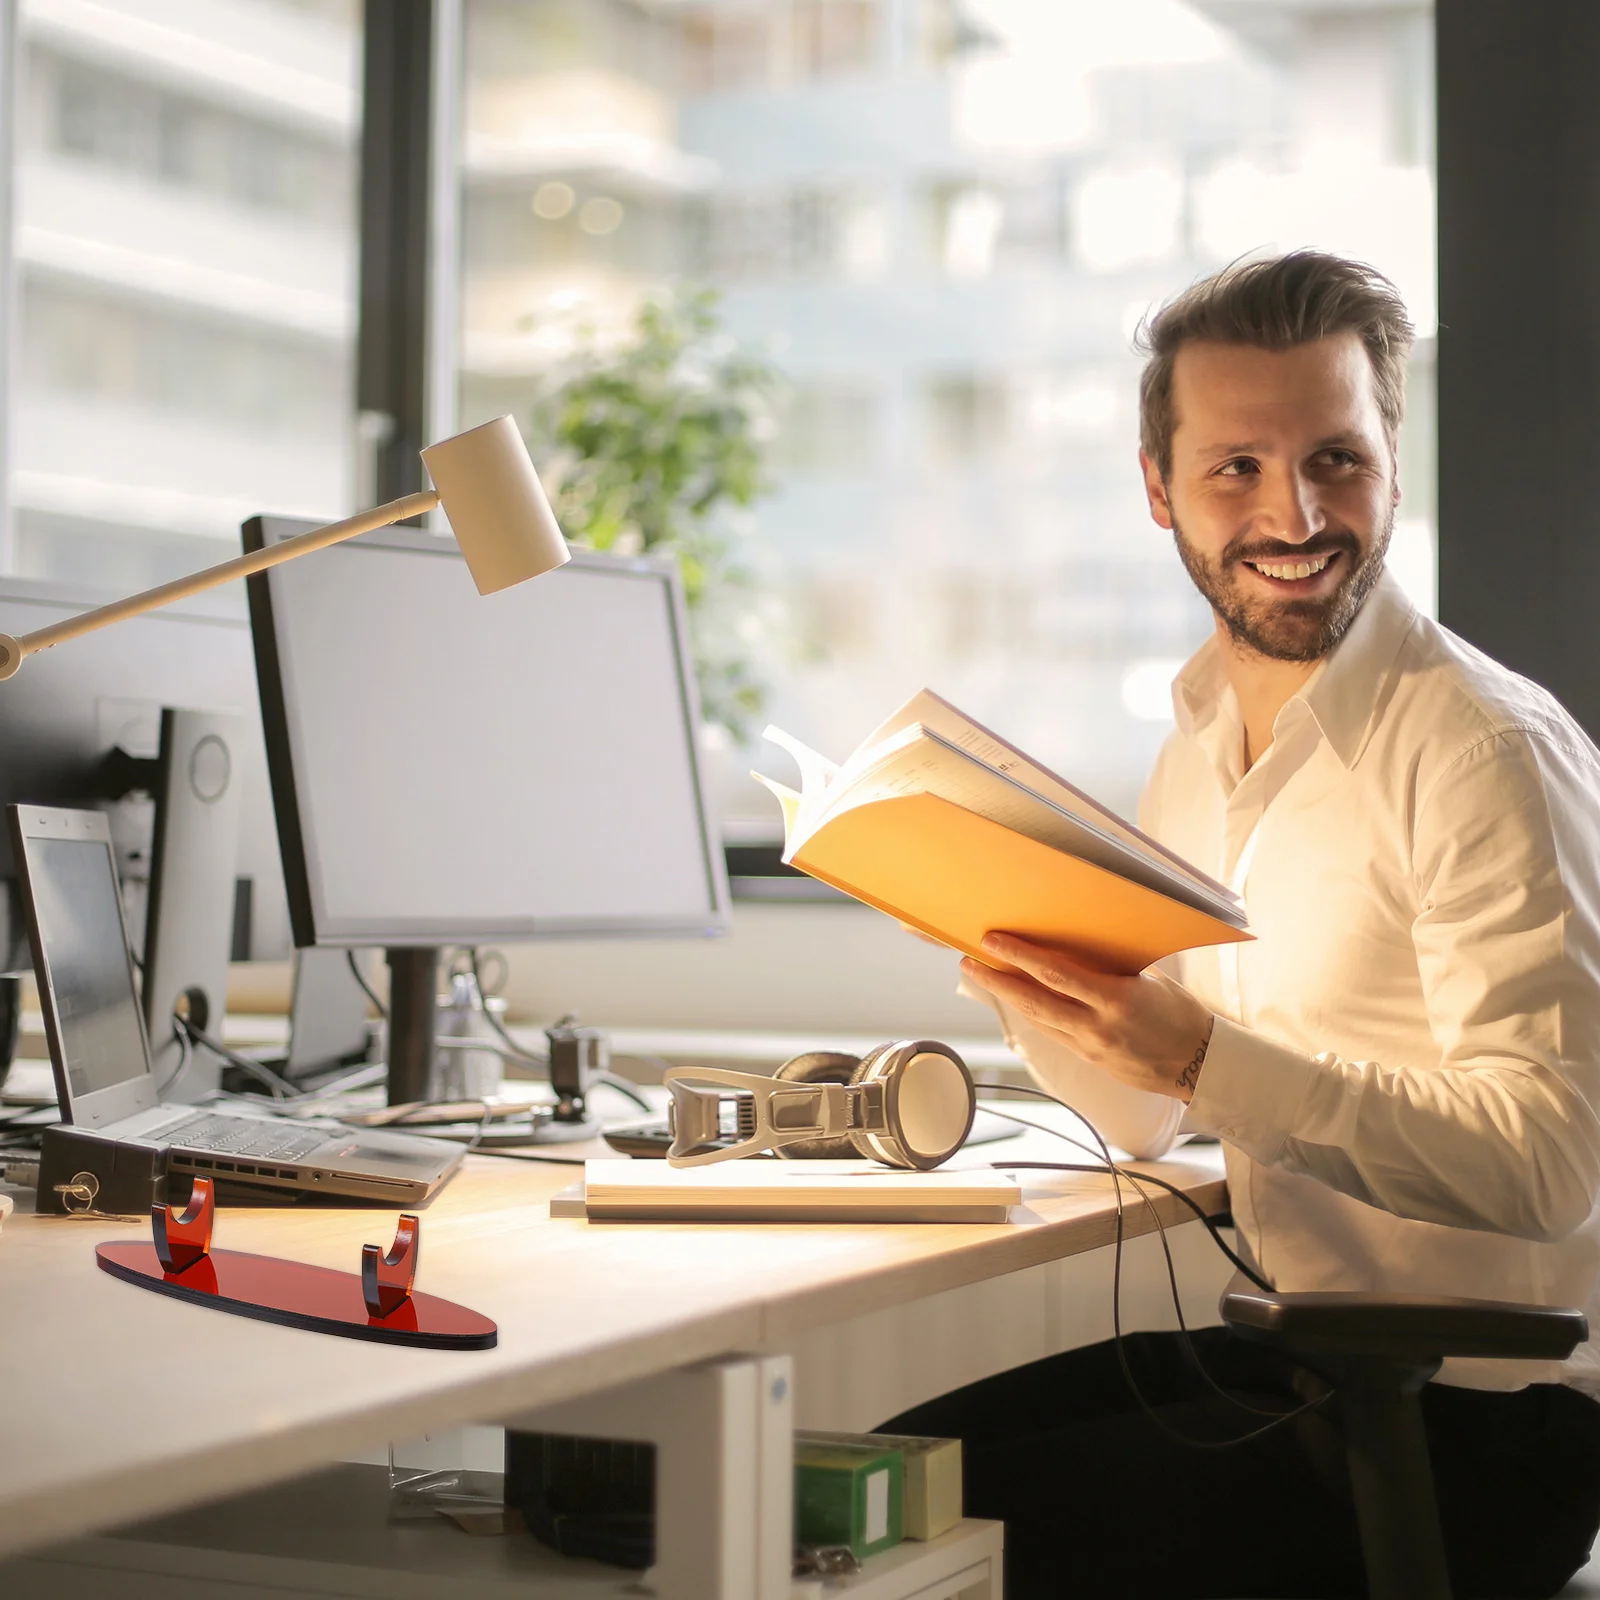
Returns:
(483, 479)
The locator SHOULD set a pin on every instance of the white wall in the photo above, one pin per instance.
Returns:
(829, 968)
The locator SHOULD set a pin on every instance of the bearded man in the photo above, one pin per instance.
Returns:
(1404, 1067)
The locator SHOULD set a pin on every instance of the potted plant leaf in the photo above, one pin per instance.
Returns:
(655, 444)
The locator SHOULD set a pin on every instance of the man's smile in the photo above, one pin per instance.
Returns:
(1299, 576)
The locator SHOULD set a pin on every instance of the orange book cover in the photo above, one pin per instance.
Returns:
(957, 876)
(880, 830)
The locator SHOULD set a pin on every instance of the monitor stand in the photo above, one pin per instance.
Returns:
(10, 1018)
(413, 1013)
(413, 1016)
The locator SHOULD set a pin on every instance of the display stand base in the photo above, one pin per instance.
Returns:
(297, 1295)
(380, 1303)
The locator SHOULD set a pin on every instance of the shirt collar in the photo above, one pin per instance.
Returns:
(1342, 696)
(1206, 710)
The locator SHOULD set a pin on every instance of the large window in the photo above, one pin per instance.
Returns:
(941, 219)
(944, 220)
(184, 267)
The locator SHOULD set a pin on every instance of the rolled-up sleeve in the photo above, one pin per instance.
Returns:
(1501, 1132)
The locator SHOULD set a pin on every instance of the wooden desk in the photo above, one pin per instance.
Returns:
(116, 1404)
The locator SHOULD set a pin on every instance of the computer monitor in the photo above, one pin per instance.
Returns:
(449, 769)
(83, 726)
(63, 719)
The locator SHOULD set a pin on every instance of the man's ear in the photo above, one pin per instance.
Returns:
(1155, 490)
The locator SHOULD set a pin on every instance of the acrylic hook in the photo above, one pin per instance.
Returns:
(183, 1238)
(386, 1279)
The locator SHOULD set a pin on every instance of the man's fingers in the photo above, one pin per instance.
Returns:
(1033, 1000)
(1049, 967)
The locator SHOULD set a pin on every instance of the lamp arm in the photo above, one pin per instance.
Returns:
(13, 652)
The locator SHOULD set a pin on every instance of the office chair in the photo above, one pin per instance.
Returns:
(1379, 1350)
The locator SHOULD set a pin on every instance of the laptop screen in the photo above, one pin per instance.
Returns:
(74, 891)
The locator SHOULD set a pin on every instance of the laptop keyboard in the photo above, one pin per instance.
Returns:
(247, 1136)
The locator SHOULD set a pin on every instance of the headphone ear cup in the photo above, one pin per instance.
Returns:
(929, 1099)
(820, 1066)
(861, 1143)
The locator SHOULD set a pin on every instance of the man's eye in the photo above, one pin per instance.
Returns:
(1340, 458)
(1239, 467)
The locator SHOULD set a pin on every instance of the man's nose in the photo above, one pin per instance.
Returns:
(1290, 508)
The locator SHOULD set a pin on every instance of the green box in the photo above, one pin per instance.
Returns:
(931, 1495)
(848, 1494)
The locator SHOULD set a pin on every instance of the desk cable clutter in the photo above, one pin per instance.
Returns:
(380, 1303)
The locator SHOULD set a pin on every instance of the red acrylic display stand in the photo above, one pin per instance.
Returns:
(380, 1304)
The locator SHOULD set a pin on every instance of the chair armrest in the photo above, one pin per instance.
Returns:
(1403, 1327)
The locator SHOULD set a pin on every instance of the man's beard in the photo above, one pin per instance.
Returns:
(1287, 630)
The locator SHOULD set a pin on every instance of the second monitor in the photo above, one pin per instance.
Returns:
(448, 769)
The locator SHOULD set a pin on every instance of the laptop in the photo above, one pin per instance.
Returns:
(101, 1056)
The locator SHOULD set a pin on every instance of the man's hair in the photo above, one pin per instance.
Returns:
(1274, 305)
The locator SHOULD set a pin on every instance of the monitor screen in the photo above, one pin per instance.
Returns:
(450, 768)
(63, 715)
(74, 891)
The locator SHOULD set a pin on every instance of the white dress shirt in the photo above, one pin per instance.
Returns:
(1405, 1066)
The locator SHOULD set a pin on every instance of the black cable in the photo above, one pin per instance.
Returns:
(366, 988)
(613, 1081)
(610, 1079)
(494, 1021)
(483, 1126)
(1138, 1181)
(1117, 1174)
(184, 1053)
(485, 988)
(1145, 1177)
(523, 1155)
(658, 1063)
(280, 1088)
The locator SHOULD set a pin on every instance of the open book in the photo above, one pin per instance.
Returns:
(941, 823)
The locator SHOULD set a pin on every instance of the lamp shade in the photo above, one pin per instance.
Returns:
(496, 505)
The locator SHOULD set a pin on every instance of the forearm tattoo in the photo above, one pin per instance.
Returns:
(1190, 1076)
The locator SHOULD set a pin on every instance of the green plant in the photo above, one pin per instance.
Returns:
(654, 445)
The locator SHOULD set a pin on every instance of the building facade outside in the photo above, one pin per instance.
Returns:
(944, 219)
(941, 219)
(184, 268)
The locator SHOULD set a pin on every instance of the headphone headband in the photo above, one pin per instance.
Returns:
(910, 1105)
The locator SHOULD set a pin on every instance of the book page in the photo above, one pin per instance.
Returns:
(916, 760)
(816, 771)
(818, 776)
(938, 715)
(791, 803)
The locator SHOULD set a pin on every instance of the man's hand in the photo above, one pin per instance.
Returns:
(1146, 1031)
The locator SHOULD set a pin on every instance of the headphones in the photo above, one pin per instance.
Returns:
(907, 1104)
